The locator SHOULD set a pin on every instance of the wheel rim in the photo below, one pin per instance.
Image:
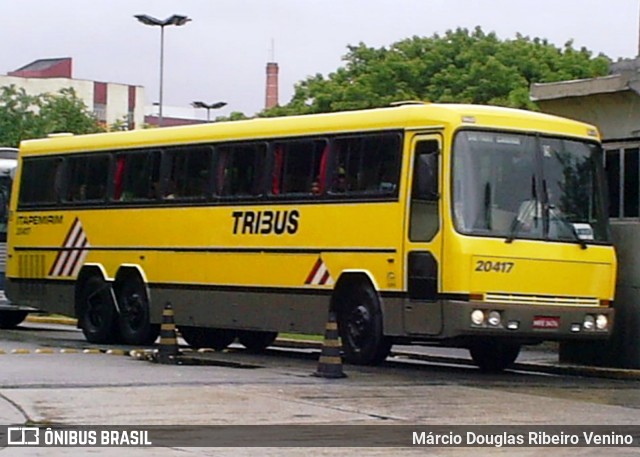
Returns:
(359, 326)
(96, 309)
(133, 310)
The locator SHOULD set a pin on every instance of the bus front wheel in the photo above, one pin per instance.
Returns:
(96, 313)
(134, 319)
(201, 337)
(256, 341)
(494, 356)
(360, 326)
(11, 319)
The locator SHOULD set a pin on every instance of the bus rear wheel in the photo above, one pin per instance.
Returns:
(134, 318)
(96, 313)
(360, 326)
(493, 356)
(201, 337)
(256, 341)
(11, 319)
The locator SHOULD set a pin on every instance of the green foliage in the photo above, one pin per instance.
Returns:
(234, 116)
(120, 125)
(462, 66)
(24, 116)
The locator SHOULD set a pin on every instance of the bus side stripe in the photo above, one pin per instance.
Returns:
(313, 272)
(77, 234)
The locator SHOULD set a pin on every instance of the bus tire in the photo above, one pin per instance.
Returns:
(256, 341)
(360, 326)
(96, 313)
(493, 356)
(213, 338)
(134, 318)
(11, 319)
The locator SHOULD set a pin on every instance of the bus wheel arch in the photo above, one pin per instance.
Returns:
(358, 309)
(256, 341)
(95, 306)
(134, 316)
(204, 337)
(493, 355)
(11, 319)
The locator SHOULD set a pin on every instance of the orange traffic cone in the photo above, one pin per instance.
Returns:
(330, 362)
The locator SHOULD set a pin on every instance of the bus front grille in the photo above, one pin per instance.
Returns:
(525, 299)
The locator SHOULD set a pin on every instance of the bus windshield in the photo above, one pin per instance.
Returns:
(525, 186)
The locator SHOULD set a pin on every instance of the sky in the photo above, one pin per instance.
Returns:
(222, 53)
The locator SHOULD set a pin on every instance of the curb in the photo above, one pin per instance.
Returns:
(529, 367)
(51, 320)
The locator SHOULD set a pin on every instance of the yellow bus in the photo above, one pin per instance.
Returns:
(469, 226)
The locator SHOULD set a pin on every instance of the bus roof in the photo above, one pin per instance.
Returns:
(413, 115)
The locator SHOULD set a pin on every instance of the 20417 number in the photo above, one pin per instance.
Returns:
(488, 266)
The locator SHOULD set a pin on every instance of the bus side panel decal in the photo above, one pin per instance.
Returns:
(319, 275)
(73, 253)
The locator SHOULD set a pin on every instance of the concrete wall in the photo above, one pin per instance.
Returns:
(117, 94)
(36, 86)
(617, 115)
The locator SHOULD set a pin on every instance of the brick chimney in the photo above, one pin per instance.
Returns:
(272, 85)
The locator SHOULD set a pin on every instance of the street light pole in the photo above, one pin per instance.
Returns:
(161, 75)
(176, 20)
(208, 107)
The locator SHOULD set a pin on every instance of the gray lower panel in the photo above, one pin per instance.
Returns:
(281, 312)
(57, 298)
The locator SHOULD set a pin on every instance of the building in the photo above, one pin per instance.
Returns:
(612, 103)
(111, 102)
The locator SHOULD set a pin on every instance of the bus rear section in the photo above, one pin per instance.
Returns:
(10, 314)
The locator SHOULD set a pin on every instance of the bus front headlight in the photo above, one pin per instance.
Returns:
(494, 318)
(589, 322)
(602, 322)
(477, 317)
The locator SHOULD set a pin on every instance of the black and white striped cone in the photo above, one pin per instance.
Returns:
(168, 340)
(330, 362)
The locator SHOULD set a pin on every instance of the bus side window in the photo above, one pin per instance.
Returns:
(139, 172)
(49, 174)
(239, 170)
(367, 164)
(424, 220)
(425, 183)
(187, 172)
(297, 169)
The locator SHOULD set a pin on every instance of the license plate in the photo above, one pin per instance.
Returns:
(546, 322)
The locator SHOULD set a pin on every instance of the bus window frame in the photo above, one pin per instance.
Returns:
(59, 185)
(66, 185)
(164, 178)
(119, 200)
(281, 195)
(259, 185)
(334, 168)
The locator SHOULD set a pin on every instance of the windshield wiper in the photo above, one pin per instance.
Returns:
(557, 215)
(516, 223)
(520, 216)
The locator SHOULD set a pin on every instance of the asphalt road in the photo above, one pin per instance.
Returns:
(46, 378)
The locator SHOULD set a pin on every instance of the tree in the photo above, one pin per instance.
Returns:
(24, 116)
(461, 66)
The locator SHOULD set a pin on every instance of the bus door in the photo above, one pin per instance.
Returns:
(423, 239)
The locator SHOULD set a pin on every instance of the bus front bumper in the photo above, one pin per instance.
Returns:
(528, 321)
